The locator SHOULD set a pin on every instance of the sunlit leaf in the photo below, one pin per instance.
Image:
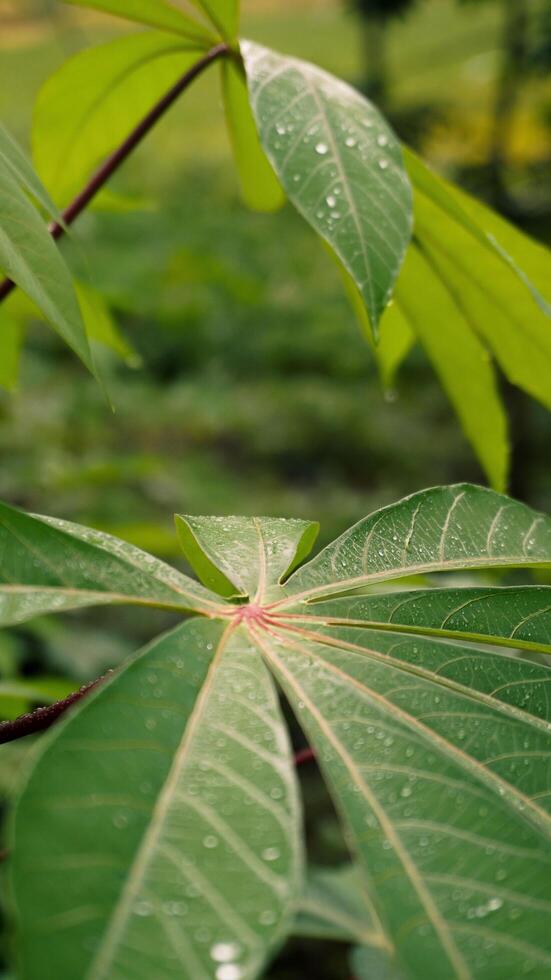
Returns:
(86, 108)
(11, 339)
(163, 870)
(13, 159)
(224, 14)
(339, 163)
(260, 187)
(154, 13)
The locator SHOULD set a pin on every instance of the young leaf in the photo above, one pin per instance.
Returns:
(223, 14)
(186, 855)
(154, 13)
(30, 258)
(339, 163)
(244, 556)
(459, 358)
(12, 158)
(260, 187)
(50, 565)
(85, 110)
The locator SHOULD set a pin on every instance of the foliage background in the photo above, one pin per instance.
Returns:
(257, 393)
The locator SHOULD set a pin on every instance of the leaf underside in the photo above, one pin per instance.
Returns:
(183, 848)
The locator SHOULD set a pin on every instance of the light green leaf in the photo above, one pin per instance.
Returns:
(459, 358)
(41, 690)
(260, 187)
(13, 159)
(335, 906)
(154, 13)
(51, 566)
(11, 339)
(162, 870)
(224, 14)
(339, 163)
(101, 325)
(445, 792)
(515, 617)
(30, 258)
(91, 104)
(244, 555)
(437, 530)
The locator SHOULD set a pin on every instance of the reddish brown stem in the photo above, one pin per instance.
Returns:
(113, 162)
(42, 718)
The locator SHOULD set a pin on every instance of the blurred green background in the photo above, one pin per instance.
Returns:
(257, 393)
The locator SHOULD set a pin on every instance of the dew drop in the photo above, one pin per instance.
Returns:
(321, 148)
(383, 164)
(225, 952)
(270, 854)
(210, 841)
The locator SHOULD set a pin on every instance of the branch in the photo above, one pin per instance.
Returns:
(42, 718)
(113, 162)
(304, 755)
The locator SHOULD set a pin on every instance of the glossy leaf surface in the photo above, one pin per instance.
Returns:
(340, 165)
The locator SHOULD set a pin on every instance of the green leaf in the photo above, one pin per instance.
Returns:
(373, 964)
(514, 617)
(260, 188)
(339, 163)
(335, 906)
(465, 243)
(444, 792)
(158, 832)
(154, 13)
(41, 690)
(186, 854)
(101, 325)
(11, 339)
(13, 159)
(50, 566)
(85, 110)
(437, 530)
(29, 257)
(459, 358)
(224, 14)
(244, 556)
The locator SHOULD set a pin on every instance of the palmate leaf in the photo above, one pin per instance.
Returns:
(339, 163)
(437, 752)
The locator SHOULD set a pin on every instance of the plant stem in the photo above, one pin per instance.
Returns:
(304, 755)
(114, 161)
(42, 718)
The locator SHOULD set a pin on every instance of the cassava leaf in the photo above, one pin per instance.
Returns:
(13, 159)
(224, 14)
(154, 13)
(101, 325)
(339, 163)
(260, 187)
(29, 257)
(437, 530)
(437, 753)
(459, 358)
(11, 339)
(368, 963)
(163, 870)
(86, 108)
(244, 555)
(49, 566)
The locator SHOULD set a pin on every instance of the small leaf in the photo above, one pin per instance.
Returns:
(373, 964)
(339, 163)
(244, 556)
(11, 339)
(162, 870)
(436, 530)
(459, 358)
(154, 13)
(50, 566)
(13, 158)
(260, 187)
(224, 14)
(85, 110)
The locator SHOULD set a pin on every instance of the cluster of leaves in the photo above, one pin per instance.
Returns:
(159, 830)
(300, 133)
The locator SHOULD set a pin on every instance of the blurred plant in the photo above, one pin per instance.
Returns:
(376, 17)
